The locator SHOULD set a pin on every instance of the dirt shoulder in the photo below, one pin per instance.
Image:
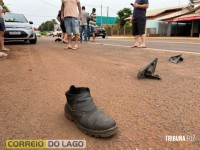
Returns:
(34, 78)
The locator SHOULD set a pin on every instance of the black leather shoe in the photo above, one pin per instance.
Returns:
(81, 109)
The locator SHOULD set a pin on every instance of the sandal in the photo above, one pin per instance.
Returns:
(69, 47)
(65, 42)
(75, 48)
(142, 46)
(5, 49)
(134, 46)
(3, 55)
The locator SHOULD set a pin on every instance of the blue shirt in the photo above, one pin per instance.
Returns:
(140, 12)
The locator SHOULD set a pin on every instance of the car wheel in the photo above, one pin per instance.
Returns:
(104, 37)
(34, 41)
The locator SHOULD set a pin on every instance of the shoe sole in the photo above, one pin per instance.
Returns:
(96, 133)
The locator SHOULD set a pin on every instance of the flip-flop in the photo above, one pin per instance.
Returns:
(142, 47)
(65, 42)
(134, 46)
(5, 49)
(75, 48)
(3, 55)
(69, 47)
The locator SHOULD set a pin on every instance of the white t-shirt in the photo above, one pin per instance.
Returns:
(85, 15)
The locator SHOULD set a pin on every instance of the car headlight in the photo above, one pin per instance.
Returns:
(28, 27)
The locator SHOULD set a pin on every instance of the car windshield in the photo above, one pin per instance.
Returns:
(10, 17)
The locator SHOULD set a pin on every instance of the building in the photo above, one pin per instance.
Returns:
(174, 21)
(105, 20)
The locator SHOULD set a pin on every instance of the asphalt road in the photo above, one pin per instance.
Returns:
(174, 44)
(34, 79)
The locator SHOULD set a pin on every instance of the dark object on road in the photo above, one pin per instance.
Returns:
(81, 109)
(99, 31)
(58, 40)
(176, 59)
(148, 71)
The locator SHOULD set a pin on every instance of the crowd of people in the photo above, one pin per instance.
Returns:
(3, 49)
(80, 24)
(69, 21)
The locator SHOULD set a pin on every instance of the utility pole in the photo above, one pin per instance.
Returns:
(101, 15)
(107, 14)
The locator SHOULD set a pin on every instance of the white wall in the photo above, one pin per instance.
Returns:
(153, 24)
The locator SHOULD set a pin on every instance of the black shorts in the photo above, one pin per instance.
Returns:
(2, 27)
(139, 26)
(2, 24)
(62, 26)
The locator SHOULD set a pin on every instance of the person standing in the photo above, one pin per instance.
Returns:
(70, 15)
(199, 28)
(92, 23)
(88, 29)
(62, 26)
(83, 24)
(139, 22)
(2, 29)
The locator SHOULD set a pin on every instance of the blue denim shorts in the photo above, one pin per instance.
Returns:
(72, 25)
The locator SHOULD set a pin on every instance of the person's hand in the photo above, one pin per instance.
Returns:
(62, 18)
(136, 5)
(131, 20)
(80, 16)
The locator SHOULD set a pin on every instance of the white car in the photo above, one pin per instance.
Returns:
(18, 28)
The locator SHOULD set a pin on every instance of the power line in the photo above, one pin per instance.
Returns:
(38, 16)
(50, 4)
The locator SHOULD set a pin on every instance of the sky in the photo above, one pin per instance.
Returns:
(40, 11)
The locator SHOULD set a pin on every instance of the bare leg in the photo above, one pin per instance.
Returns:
(136, 41)
(1, 36)
(93, 35)
(65, 37)
(143, 41)
(76, 40)
(2, 41)
(2, 55)
(70, 41)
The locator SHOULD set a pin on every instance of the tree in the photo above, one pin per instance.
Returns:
(123, 14)
(5, 7)
(48, 25)
(128, 27)
(191, 2)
